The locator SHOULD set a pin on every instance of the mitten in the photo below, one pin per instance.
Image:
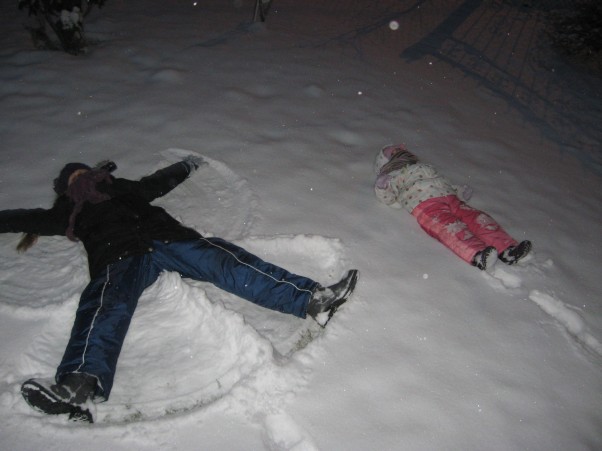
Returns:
(464, 192)
(193, 162)
(385, 191)
(107, 165)
(383, 181)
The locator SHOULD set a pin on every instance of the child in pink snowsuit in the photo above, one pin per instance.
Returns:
(404, 182)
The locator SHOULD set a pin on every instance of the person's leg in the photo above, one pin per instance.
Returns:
(102, 320)
(483, 226)
(237, 271)
(437, 218)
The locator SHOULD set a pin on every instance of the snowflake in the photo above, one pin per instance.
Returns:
(467, 235)
(455, 227)
(487, 222)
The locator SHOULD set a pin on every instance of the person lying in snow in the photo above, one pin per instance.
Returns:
(404, 182)
(129, 242)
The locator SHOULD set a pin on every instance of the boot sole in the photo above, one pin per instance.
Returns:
(44, 401)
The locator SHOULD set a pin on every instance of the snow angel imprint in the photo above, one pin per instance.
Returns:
(129, 243)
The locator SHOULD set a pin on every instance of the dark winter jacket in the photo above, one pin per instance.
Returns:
(122, 226)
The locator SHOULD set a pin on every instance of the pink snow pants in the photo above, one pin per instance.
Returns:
(463, 229)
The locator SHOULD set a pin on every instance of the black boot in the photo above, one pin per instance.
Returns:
(329, 299)
(68, 397)
(485, 259)
(514, 254)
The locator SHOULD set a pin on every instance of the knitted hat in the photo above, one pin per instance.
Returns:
(399, 158)
(392, 158)
(62, 181)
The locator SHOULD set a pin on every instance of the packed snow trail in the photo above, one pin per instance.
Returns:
(504, 278)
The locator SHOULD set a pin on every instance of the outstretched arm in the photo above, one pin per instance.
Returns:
(386, 191)
(38, 221)
(164, 180)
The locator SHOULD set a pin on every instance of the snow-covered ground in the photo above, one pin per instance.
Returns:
(430, 353)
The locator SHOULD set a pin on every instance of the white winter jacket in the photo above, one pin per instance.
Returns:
(411, 185)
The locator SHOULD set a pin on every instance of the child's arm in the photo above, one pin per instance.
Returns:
(386, 192)
(464, 192)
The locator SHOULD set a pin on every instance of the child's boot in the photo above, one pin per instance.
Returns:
(71, 396)
(514, 254)
(485, 259)
(326, 300)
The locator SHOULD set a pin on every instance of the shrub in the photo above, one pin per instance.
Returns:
(66, 20)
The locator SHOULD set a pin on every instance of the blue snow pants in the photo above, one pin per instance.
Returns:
(108, 302)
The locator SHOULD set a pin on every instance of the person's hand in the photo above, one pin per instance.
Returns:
(193, 162)
(107, 165)
(383, 181)
(464, 192)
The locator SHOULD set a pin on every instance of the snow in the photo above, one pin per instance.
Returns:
(430, 353)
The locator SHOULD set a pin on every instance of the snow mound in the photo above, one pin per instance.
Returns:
(320, 258)
(52, 262)
(182, 352)
(568, 318)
